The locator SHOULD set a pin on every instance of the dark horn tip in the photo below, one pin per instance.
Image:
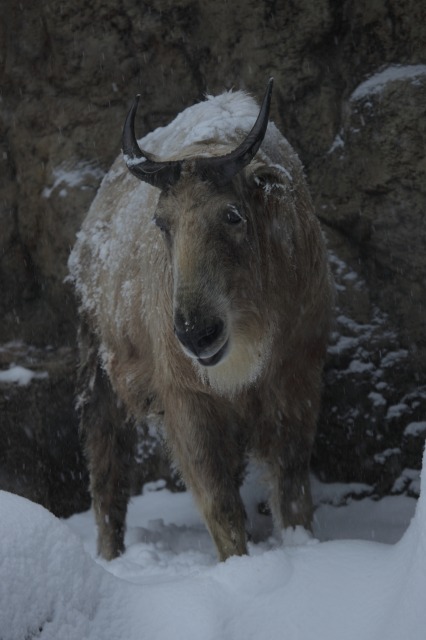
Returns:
(270, 86)
(129, 143)
(221, 170)
(136, 101)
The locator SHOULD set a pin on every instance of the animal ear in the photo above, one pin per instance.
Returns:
(271, 179)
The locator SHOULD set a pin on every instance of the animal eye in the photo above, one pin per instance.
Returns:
(233, 215)
(161, 224)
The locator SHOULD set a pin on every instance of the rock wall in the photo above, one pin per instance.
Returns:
(349, 94)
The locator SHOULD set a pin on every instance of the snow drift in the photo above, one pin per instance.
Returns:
(51, 588)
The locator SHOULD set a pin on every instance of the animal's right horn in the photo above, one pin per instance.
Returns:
(141, 163)
(220, 170)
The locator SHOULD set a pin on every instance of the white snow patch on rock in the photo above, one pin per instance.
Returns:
(415, 429)
(409, 480)
(396, 410)
(377, 399)
(67, 176)
(338, 143)
(383, 456)
(377, 82)
(21, 375)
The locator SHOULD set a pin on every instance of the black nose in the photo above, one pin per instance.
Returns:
(196, 334)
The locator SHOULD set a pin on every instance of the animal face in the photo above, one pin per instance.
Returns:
(212, 243)
(207, 232)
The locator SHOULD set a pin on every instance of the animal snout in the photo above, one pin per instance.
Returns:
(201, 338)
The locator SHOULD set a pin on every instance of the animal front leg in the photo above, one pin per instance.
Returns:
(224, 515)
(210, 462)
(291, 500)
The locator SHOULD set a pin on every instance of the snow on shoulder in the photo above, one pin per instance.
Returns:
(51, 588)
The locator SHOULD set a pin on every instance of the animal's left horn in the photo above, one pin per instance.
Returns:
(222, 169)
(142, 164)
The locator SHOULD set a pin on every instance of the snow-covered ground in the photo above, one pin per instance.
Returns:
(169, 584)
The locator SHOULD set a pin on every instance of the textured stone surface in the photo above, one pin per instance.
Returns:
(372, 391)
(372, 189)
(68, 72)
(41, 457)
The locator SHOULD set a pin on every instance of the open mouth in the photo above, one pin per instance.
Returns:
(214, 359)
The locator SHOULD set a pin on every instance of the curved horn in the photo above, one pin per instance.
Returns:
(222, 169)
(142, 164)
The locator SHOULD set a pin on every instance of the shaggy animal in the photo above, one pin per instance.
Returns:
(205, 298)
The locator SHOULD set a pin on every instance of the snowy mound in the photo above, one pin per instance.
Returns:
(52, 589)
(49, 587)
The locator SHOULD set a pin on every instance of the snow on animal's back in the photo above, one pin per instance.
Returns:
(111, 239)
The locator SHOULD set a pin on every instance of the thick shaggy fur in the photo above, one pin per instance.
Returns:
(266, 277)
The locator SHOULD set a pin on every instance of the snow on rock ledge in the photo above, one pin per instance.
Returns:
(21, 375)
(377, 82)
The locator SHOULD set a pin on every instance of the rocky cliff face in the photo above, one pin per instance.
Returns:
(349, 94)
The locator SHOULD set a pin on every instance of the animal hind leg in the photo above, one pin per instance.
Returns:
(110, 450)
(109, 442)
(293, 428)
